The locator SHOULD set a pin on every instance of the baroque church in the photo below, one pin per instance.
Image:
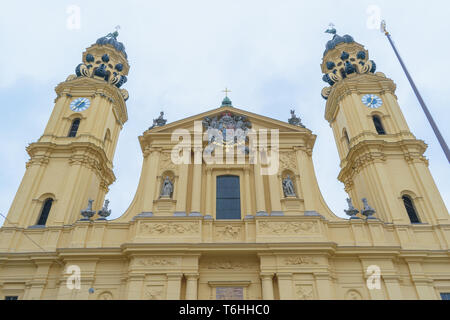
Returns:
(228, 205)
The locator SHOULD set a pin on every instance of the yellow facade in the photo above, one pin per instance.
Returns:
(177, 247)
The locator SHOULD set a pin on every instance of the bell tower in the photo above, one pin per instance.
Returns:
(381, 159)
(72, 161)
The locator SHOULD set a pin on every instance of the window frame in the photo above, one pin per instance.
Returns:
(237, 199)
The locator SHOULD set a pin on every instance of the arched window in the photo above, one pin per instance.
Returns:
(228, 198)
(347, 139)
(74, 128)
(378, 125)
(45, 211)
(410, 209)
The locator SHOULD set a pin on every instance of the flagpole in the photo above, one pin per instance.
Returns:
(417, 93)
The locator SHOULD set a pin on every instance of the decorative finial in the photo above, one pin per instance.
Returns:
(88, 212)
(368, 211)
(105, 212)
(331, 29)
(352, 211)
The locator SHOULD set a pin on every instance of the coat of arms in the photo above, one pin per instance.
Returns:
(227, 130)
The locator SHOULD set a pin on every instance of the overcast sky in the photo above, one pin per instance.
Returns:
(184, 53)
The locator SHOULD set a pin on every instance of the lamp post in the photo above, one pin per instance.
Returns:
(417, 93)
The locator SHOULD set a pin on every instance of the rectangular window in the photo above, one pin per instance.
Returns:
(11, 297)
(445, 295)
(228, 198)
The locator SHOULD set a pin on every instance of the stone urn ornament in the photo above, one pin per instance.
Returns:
(105, 212)
(88, 213)
(351, 211)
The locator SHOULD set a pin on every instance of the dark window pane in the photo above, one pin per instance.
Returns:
(378, 125)
(409, 206)
(228, 198)
(445, 295)
(45, 211)
(11, 298)
(74, 128)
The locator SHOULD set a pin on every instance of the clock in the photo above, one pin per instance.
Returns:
(80, 104)
(372, 101)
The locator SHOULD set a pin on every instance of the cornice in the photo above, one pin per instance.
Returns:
(369, 151)
(85, 86)
(82, 153)
(359, 84)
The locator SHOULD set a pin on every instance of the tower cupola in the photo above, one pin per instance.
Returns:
(107, 60)
(342, 58)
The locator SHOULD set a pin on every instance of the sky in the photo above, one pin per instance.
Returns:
(184, 53)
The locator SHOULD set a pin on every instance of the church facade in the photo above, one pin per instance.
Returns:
(228, 205)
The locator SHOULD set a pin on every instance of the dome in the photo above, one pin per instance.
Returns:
(226, 102)
(111, 39)
(337, 39)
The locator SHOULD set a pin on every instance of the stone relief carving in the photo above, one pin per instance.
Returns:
(287, 227)
(169, 228)
(166, 163)
(154, 293)
(228, 232)
(105, 296)
(155, 261)
(229, 265)
(304, 292)
(353, 294)
(299, 260)
(288, 160)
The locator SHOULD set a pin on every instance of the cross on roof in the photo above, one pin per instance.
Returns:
(226, 91)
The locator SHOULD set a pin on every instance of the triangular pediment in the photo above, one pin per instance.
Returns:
(257, 121)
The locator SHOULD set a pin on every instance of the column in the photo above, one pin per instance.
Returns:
(191, 286)
(285, 286)
(135, 283)
(174, 286)
(324, 286)
(196, 183)
(393, 287)
(181, 190)
(267, 286)
(260, 195)
(275, 198)
(248, 199)
(209, 193)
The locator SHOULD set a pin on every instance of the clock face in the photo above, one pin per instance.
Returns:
(80, 104)
(372, 101)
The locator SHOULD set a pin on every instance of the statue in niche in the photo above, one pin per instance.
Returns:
(288, 187)
(167, 188)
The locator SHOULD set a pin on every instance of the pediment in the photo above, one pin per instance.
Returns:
(257, 121)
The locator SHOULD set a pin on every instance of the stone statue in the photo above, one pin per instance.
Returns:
(294, 120)
(160, 121)
(288, 187)
(88, 212)
(368, 211)
(104, 212)
(167, 188)
(352, 211)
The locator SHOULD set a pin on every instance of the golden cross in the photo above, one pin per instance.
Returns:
(226, 91)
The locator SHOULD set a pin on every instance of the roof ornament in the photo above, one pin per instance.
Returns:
(226, 101)
(294, 120)
(159, 122)
(331, 29)
(114, 34)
